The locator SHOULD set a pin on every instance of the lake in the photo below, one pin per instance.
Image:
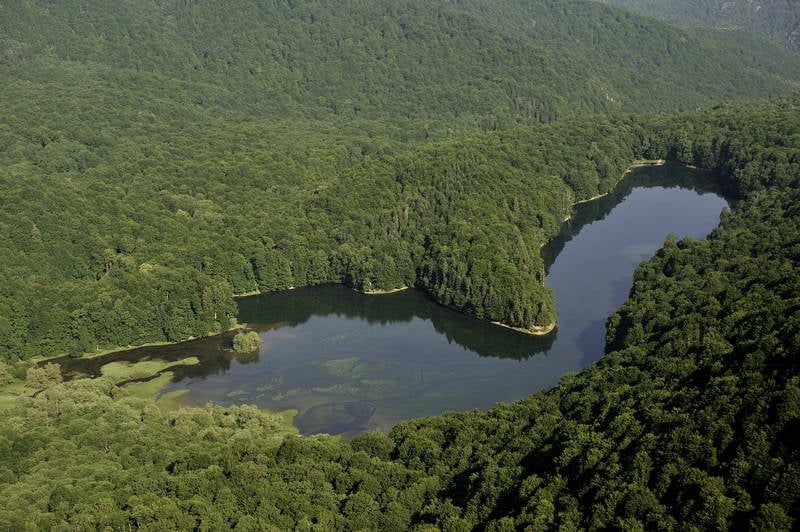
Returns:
(349, 362)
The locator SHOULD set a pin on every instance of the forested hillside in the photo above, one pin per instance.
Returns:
(689, 421)
(777, 20)
(159, 156)
(469, 64)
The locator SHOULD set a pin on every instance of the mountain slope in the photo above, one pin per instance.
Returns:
(477, 63)
(777, 20)
(159, 155)
(690, 420)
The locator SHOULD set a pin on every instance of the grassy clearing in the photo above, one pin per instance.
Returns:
(124, 371)
(172, 400)
(148, 389)
(151, 389)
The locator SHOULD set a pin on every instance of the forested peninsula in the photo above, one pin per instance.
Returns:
(159, 156)
(464, 219)
(162, 157)
(689, 418)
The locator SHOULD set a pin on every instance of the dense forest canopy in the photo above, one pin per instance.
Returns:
(159, 156)
(778, 20)
(689, 420)
(469, 63)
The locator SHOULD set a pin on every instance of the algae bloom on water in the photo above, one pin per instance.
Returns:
(246, 342)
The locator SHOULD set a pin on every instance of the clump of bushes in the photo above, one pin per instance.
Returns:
(246, 342)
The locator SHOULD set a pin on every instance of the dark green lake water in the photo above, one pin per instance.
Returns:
(350, 362)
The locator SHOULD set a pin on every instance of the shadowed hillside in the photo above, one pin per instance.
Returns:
(777, 20)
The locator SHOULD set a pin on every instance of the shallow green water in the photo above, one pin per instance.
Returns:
(350, 362)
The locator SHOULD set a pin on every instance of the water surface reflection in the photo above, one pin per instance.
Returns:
(348, 362)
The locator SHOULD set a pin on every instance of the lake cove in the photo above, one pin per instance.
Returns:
(349, 362)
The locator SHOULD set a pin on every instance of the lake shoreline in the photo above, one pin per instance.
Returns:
(382, 292)
(39, 361)
(631, 167)
(535, 330)
(342, 349)
(642, 163)
(539, 331)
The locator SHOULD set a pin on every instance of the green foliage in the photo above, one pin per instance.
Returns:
(690, 420)
(160, 156)
(165, 155)
(246, 342)
(463, 218)
(775, 19)
(39, 378)
(6, 374)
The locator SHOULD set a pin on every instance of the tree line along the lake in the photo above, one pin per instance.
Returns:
(163, 157)
(160, 156)
(689, 420)
(464, 219)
